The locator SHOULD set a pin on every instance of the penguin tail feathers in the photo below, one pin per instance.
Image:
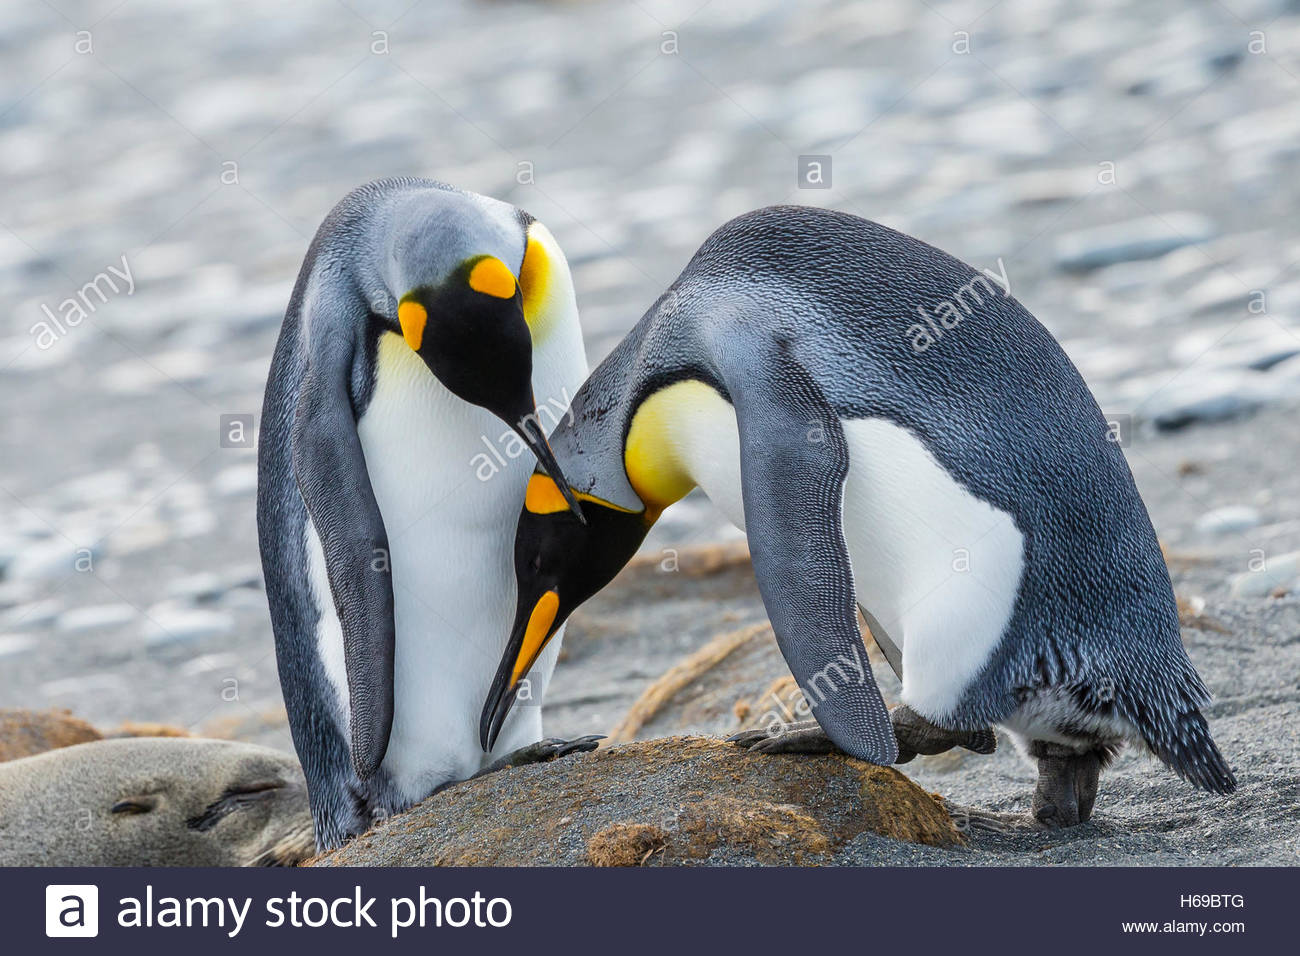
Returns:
(1161, 697)
(1190, 752)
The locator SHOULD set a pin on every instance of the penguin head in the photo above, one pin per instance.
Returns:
(560, 561)
(470, 331)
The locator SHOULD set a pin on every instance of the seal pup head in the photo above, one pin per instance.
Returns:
(155, 802)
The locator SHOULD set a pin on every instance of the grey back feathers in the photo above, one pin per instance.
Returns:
(995, 401)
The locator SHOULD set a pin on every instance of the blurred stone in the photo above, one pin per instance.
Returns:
(1041, 187)
(1228, 519)
(1219, 292)
(201, 587)
(15, 644)
(1011, 127)
(138, 376)
(111, 485)
(33, 615)
(1279, 571)
(1212, 396)
(42, 560)
(75, 687)
(1146, 238)
(169, 622)
(1288, 369)
(95, 616)
(1257, 343)
(236, 480)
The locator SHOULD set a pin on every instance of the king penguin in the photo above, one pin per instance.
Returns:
(422, 319)
(955, 480)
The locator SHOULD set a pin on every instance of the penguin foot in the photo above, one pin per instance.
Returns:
(551, 748)
(800, 737)
(1067, 784)
(916, 735)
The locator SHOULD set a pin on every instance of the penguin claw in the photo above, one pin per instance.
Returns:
(552, 748)
(904, 755)
(543, 751)
(580, 745)
(802, 737)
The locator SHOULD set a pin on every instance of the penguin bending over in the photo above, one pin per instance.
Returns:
(423, 316)
(964, 494)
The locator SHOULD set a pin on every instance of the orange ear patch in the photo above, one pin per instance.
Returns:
(412, 318)
(492, 277)
(544, 496)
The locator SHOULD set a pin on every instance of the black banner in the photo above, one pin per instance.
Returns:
(631, 911)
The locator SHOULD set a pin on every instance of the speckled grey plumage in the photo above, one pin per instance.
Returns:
(999, 406)
(382, 239)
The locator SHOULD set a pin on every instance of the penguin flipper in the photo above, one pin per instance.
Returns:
(330, 469)
(794, 459)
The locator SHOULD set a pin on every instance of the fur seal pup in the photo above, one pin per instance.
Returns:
(158, 801)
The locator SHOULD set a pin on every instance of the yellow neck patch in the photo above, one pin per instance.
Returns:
(544, 281)
(412, 317)
(652, 453)
(492, 277)
(534, 274)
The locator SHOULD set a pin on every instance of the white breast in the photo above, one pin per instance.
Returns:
(449, 479)
(936, 566)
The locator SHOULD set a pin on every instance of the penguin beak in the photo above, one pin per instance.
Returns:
(533, 628)
(535, 438)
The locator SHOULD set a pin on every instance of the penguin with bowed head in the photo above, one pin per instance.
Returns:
(423, 318)
(952, 476)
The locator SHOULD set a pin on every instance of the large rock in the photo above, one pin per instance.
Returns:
(1135, 239)
(675, 801)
